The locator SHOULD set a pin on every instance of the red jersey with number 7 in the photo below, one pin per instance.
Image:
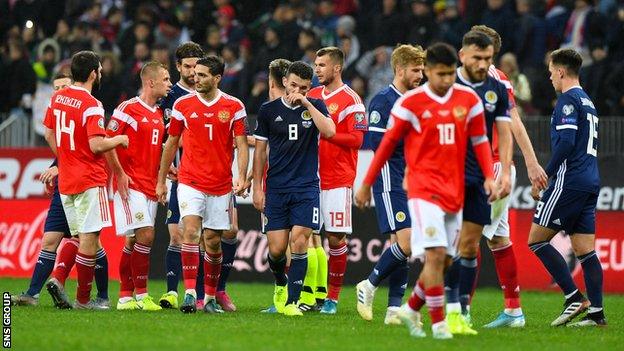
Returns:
(75, 116)
(436, 131)
(143, 124)
(208, 129)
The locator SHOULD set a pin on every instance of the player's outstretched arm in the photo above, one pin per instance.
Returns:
(259, 162)
(242, 157)
(50, 137)
(122, 178)
(99, 144)
(536, 173)
(171, 146)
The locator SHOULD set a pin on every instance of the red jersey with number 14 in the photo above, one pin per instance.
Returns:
(207, 129)
(338, 164)
(144, 127)
(75, 116)
(436, 130)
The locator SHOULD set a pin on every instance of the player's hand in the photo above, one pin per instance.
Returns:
(161, 193)
(123, 140)
(48, 188)
(504, 185)
(491, 189)
(173, 173)
(537, 176)
(240, 186)
(258, 200)
(123, 181)
(47, 177)
(297, 99)
(363, 196)
(535, 193)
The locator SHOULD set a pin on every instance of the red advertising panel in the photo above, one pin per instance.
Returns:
(20, 170)
(21, 230)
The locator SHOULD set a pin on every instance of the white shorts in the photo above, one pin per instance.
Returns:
(215, 211)
(136, 212)
(336, 210)
(500, 209)
(87, 212)
(432, 227)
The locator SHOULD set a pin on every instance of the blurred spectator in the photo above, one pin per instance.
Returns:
(110, 92)
(21, 79)
(345, 7)
(285, 23)
(111, 25)
(520, 83)
(231, 80)
(499, 17)
(530, 36)
(452, 26)
(556, 19)
(98, 42)
(63, 37)
(138, 32)
(615, 89)
(358, 84)
(375, 67)
(421, 24)
(213, 43)
(49, 55)
(348, 69)
(584, 29)
(160, 53)
(132, 68)
(346, 29)
(307, 38)
(230, 31)
(326, 21)
(593, 78)
(545, 100)
(615, 34)
(259, 93)
(388, 28)
(271, 50)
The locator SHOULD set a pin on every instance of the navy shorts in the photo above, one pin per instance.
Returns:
(476, 207)
(564, 209)
(173, 211)
(56, 220)
(392, 212)
(285, 210)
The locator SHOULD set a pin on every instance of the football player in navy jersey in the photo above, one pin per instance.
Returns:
(569, 201)
(393, 218)
(291, 127)
(476, 56)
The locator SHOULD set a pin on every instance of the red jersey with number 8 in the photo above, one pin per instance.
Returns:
(207, 129)
(75, 116)
(144, 127)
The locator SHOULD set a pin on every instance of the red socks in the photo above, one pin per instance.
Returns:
(435, 303)
(190, 262)
(506, 269)
(212, 271)
(417, 300)
(337, 268)
(85, 265)
(140, 267)
(66, 259)
(126, 286)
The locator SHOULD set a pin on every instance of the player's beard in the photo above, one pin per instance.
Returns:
(187, 80)
(476, 77)
(328, 80)
(410, 84)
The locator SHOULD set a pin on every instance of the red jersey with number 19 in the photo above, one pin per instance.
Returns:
(207, 129)
(75, 116)
(436, 130)
(144, 127)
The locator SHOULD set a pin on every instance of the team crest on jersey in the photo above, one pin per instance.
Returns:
(400, 216)
(139, 216)
(169, 214)
(491, 97)
(430, 231)
(113, 125)
(567, 109)
(306, 115)
(459, 112)
(223, 116)
(101, 123)
(375, 117)
(332, 108)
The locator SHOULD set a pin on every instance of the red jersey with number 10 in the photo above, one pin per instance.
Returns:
(338, 164)
(75, 116)
(436, 130)
(207, 129)
(144, 127)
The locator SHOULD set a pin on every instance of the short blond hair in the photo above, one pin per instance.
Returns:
(151, 68)
(492, 34)
(335, 54)
(404, 55)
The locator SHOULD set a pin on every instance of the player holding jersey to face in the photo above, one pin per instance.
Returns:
(437, 120)
(75, 122)
(209, 119)
(135, 209)
(291, 126)
(390, 198)
(338, 163)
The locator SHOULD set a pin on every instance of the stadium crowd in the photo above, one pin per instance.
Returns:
(39, 37)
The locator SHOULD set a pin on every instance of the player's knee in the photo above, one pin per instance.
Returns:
(230, 234)
(50, 242)
(336, 239)
(469, 249)
(191, 233)
(212, 243)
(299, 243)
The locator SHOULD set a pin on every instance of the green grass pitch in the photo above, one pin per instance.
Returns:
(46, 328)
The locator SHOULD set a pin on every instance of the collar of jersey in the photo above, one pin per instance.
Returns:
(288, 105)
(466, 81)
(211, 102)
(80, 88)
(395, 89)
(183, 88)
(325, 97)
(150, 108)
(439, 99)
(574, 87)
